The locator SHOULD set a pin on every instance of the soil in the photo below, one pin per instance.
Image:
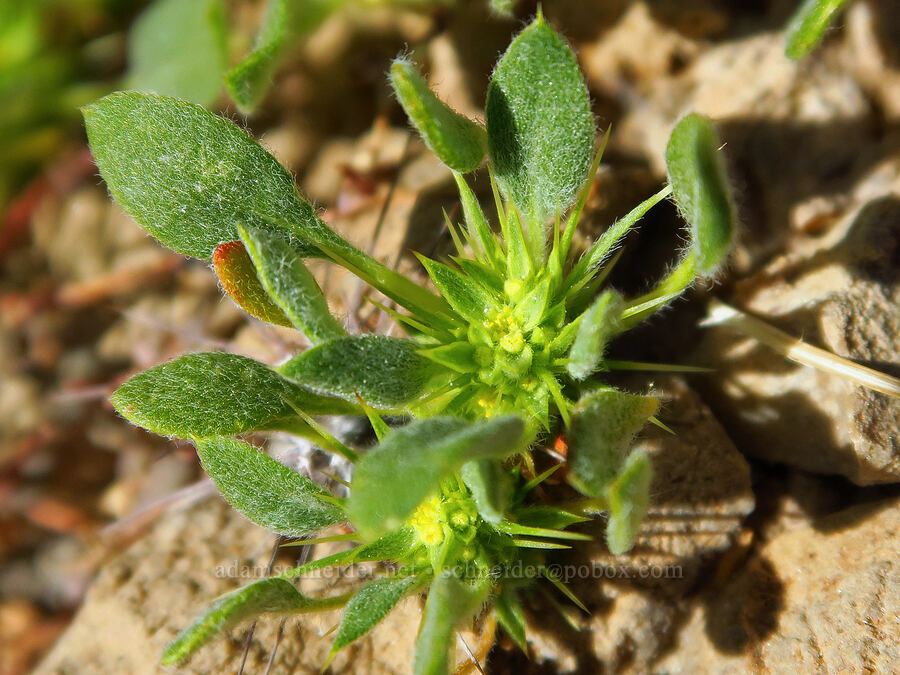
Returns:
(775, 504)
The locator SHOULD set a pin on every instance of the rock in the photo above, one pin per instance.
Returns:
(146, 595)
(840, 292)
(791, 131)
(820, 599)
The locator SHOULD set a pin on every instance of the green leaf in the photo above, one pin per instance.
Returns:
(476, 222)
(491, 487)
(539, 124)
(628, 497)
(603, 426)
(547, 517)
(458, 356)
(185, 175)
(598, 324)
(189, 177)
(217, 394)
(532, 309)
(393, 478)
(238, 277)
(265, 491)
(266, 596)
(519, 261)
(595, 256)
(808, 25)
(511, 617)
(456, 140)
(700, 184)
(450, 601)
(248, 81)
(177, 48)
(394, 546)
(370, 605)
(468, 298)
(290, 284)
(285, 21)
(388, 373)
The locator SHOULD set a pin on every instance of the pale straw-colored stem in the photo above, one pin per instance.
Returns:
(721, 314)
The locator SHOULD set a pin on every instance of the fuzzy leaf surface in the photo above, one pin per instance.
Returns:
(388, 373)
(511, 617)
(216, 394)
(370, 605)
(285, 20)
(468, 298)
(290, 284)
(177, 48)
(599, 323)
(414, 459)
(248, 81)
(189, 177)
(185, 175)
(238, 277)
(539, 123)
(266, 596)
(700, 184)
(456, 140)
(450, 601)
(808, 25)
(628, 497)
(265, 491)
(491, 487)
(603, 425)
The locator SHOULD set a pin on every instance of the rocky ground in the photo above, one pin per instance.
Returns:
(774, 532)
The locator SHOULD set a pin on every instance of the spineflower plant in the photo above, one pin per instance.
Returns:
(504, 356)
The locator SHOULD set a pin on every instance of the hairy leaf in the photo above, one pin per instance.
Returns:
(808, 25)
(628, 497)
(450, 601)
(700, 184)
(491, 487)
(238, 277)
(393, 546)
(511, 617)
(539, 123)
(216, 394)
(370, 605)
(265, 491)
(290, 284)
(284, 21)
(414, 459)
(458, 356)
(598, 324)
(456, 140)
(547, 517)
(185, 175)
(476, 222)
(189, 177)
(248, 80)
(603, 426)
(388, 373)
(261, 597)
(177, 48)
(594, 257)
(468, 298)
(532, 309)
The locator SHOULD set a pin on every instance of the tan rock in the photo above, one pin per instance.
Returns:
(158, 586)
(843, 294)
(821, 599)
